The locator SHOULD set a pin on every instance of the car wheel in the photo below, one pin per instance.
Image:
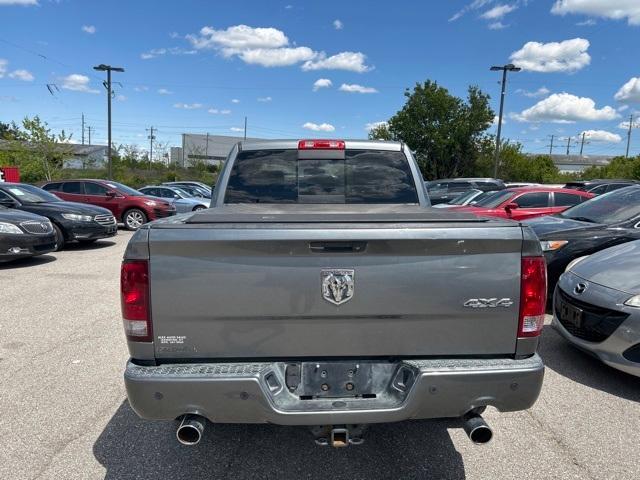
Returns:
(59, 238)
(134, 219)
(199, 207)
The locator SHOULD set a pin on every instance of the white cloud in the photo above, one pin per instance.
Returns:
(622, 108)
(141, 88)
(337, 24)
(601, 136)
(236, 129)
(566, 108)
(157, 52)
(590, 22)
(612, 9)
(215, 111)
(237, 38)
(174, 35)
(350, 61)
(322, 83)
(371, 125)
(498, 12)
(497, 26)
(567, 56)
(264, 99)
(3, 67)
(24, 75)
(322, 127)
(164, 91)
(541, 92)
(77, 83)
(90, 29)
(355, 88)
(496, 119)
(121, 98)
(235, 100)
(188, 106)
(630, 91)
(19, 2)
(276, 57)
(474, 5)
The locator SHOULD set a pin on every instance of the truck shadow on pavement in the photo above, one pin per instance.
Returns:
(79, 246)
(566, 360)
(133, 448)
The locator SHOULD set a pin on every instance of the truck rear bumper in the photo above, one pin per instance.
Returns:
(257, 392)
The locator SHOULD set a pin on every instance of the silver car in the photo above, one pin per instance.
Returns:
(597, 306)
(182, 200)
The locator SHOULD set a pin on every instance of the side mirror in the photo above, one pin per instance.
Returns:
(511, 206)
(111, 193)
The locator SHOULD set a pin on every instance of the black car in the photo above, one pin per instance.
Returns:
(443, 191)
(71, 221)
(594, 225)
(24, 234)
(599, 186)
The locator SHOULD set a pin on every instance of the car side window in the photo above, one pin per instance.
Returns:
(486, 186)
(566, 199)
(52, 187)
(150, 191)
(165, 193)
(6, 197)
(533, 200)
(72, 187)
(615, 186)
(598, 190)
(91, 188)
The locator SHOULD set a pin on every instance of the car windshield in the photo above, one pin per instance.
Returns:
(492, 200)
(180, 191)
(31, 194)
(465, 197)
(613, 207)
(124, 189)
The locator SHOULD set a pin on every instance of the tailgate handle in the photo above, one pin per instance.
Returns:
(337, 247)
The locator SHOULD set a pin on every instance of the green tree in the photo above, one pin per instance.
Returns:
(380, 132)
(445, 131)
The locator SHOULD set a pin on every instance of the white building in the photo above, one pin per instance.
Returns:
(213, 149)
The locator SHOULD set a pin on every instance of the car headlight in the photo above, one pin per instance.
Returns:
(633, 302)
(151, 203)
(9, 228)
(574, 262)
(552, 245)
(76, 217)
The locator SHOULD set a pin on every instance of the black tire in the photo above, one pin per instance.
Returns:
(199, 207)
(60, 241)
(134, 218)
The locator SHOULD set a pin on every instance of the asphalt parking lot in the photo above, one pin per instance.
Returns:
(65, 413)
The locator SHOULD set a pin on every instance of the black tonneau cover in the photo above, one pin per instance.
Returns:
(308, 213)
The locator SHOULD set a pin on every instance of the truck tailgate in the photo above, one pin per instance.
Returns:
(230, 290)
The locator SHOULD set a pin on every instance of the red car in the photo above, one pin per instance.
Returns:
(129, 206)
(527, 202)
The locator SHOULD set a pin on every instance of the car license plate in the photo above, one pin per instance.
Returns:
(571, 315)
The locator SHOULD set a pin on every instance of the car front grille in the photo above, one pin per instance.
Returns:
(598, 323)
(105, 220)
(37, 228)
(44, 248)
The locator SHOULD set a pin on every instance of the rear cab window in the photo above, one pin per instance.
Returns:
(362, 176)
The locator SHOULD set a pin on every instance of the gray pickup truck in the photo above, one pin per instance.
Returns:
(321, 290)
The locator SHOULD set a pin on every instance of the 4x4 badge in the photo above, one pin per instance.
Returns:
(488, 302)
(337, 285)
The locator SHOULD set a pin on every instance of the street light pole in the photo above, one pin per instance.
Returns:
(505, 68)
(108, 68)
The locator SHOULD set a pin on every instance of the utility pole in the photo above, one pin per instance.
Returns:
(206, 148)
(505, 68)
(568, 145)
(629, 135)
(582, 143)
(551, 147)
(89, 128)
(151, 138)
(108, 68)
(83, 129)
(245, 128)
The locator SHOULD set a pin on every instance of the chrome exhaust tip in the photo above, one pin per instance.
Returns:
(477, 429)
(190, 430)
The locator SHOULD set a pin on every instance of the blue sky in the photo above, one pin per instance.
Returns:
(202, 66)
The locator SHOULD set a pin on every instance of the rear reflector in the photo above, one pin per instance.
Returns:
(321, 145)
(533, 296)
(134, 294)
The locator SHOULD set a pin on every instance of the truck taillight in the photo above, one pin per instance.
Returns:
(321, 145)
(533, 296)
(134, 293)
